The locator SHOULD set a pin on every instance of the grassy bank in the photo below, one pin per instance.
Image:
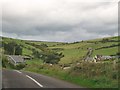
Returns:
(100, 75)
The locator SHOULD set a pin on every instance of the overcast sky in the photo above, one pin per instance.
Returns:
(59, 20)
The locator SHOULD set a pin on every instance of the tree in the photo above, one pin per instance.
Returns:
(18, 50)
(52, 57)
(104, 40)
(12, 48)
(36, 53)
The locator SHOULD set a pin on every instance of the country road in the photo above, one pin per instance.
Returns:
(22, 79)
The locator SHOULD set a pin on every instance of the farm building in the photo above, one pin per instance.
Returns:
(17, 59)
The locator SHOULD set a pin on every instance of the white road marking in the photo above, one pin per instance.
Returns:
(34, 81)
(17, 71)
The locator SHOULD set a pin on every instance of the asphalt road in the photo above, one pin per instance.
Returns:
(21, 79)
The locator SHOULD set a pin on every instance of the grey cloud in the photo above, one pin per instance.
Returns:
(59, 21)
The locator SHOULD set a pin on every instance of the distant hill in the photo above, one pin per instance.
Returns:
(73, 52)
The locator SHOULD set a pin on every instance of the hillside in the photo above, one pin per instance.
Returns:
(72, 67)
(73, 52)
(76, 51)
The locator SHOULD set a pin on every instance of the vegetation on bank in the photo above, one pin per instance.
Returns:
(95, 75)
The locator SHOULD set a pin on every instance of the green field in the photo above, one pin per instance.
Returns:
(86, 74)
(72, 51)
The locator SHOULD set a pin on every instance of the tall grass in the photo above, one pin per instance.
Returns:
(92, 75)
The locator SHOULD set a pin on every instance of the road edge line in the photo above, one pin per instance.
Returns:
(17, 71)
(34, 81)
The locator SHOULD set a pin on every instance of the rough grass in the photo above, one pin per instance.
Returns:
(100, 75)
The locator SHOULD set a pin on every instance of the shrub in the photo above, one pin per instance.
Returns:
(4, 61)
(20, 66)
